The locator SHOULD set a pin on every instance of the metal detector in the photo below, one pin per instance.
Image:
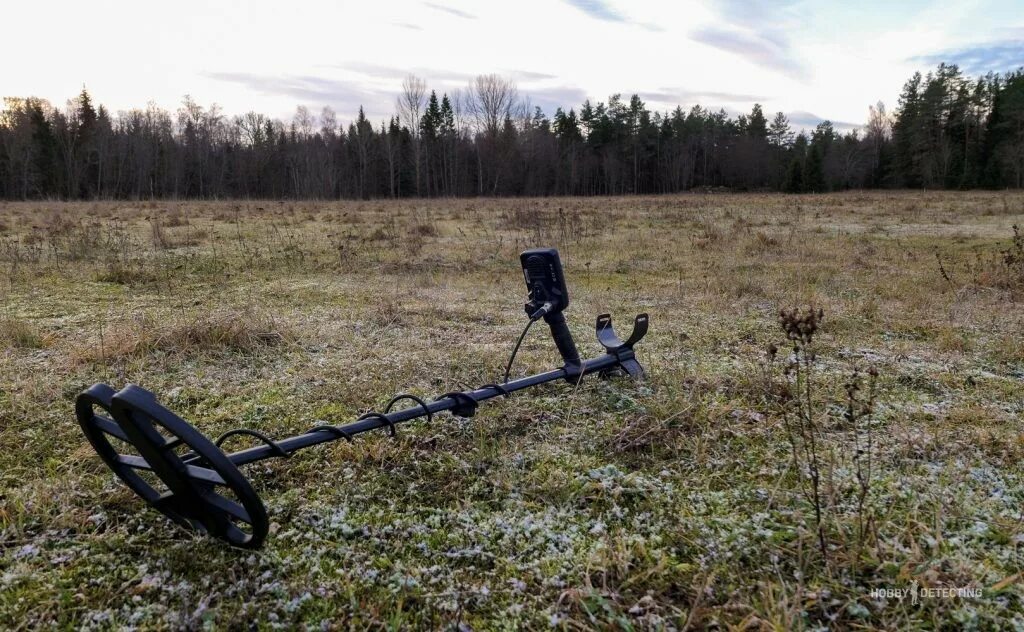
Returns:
(192, 481)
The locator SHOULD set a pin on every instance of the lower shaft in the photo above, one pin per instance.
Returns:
(315, 437)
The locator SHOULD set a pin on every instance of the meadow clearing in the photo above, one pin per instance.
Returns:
(679, 502)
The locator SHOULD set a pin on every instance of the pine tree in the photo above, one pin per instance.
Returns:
(823, 136)
(906, 133)
(1005, 144)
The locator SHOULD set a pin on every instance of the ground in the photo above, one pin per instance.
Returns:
(677, 502)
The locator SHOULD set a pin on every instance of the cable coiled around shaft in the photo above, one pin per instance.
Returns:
(465, 403)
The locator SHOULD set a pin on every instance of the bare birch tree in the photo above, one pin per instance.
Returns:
(492, 100)
(410, 107)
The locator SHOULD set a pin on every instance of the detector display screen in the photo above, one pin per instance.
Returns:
(542, 270)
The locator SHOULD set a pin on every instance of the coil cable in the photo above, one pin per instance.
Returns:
(464, 403)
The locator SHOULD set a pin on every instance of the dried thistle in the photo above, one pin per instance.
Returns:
(801, 325)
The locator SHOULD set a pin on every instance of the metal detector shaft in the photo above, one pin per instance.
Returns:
(308, 439)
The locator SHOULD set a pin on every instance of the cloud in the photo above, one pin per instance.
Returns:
(431, 75)
(529, 75)
(343, 95)
(377, 72)
(548, 99)
(800, 120)
(759, 32)
(779, 15)
(999, 56)
(598, 9)
(572, 97)
(762, 49)
(348, 95)
(679, 96)
(406, 25)
(601, 10)
(450, 10)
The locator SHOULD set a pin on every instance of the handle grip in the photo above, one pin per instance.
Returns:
(563, 339)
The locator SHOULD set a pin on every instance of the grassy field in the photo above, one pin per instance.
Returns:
(679, 502)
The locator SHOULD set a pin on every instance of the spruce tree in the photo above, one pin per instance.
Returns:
(430, 122)
(779, 133)
(447, 120)
(44, 149)
(794, 182)
(757, 124)
(814, 172)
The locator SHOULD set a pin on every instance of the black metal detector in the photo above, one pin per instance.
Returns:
(192, 481)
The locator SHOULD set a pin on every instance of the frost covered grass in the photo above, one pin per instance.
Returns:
(669, 504)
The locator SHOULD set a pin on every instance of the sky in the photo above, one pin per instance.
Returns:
(811, 59)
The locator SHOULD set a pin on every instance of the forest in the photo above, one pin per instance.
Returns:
(948, 131)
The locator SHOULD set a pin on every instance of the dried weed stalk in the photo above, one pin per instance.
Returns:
(807, 422)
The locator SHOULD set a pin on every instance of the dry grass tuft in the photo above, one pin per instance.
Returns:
(120, 274)
(1001, 269)
(425, 229)
(1013, 261)
(15, 332)
(242, 331)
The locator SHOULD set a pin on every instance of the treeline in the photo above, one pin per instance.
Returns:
(949, 131)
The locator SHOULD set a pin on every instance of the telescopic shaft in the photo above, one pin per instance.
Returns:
(451, 401)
